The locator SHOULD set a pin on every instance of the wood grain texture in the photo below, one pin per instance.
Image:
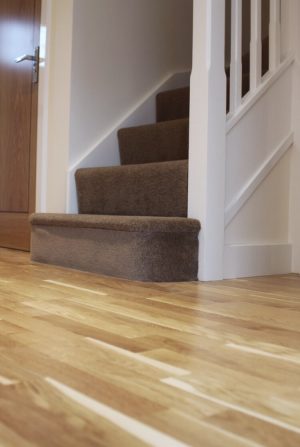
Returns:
(15, 231)
(19, 34)
(15, 94)
(87, 360)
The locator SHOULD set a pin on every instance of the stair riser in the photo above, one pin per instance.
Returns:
(158, 257)
(154, 143)
(142, 190)
(173, 105)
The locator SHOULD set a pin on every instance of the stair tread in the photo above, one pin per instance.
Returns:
(169, 124)
(118, 223)
(132, 219)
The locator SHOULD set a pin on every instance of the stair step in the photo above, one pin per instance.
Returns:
(154, 142)
(132, 218)
(154, 189)
(173, 104)
(136, 248)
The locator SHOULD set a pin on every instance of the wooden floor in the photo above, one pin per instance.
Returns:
(91, 361)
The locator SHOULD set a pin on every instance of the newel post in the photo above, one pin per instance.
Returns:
(208, 134)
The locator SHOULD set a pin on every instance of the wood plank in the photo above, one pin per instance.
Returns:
(210, 364)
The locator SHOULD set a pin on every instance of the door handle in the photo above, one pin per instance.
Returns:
(25, 57)
(33, 58)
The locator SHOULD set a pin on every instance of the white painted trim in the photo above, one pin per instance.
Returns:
(293, 30)
(53, 106)
(253, 183)
(208, 135)
(143, 112)
(242, 261)
(255, 46)
(275, 35)
(252, 98)
(43, 107)
(236, 56)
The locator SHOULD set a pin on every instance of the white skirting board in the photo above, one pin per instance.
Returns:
(257, 260)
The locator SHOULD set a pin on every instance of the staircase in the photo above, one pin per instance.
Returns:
(132, 220)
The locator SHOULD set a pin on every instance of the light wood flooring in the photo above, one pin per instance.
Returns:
(88, 361)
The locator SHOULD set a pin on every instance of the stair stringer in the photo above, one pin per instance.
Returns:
(105, 152)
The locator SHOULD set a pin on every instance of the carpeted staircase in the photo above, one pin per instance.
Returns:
(132, 220)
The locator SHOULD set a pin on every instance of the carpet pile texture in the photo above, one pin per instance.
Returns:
(132, 220)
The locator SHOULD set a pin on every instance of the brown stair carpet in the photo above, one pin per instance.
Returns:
(173, 104)
(154, 189)
(132, 218)
(139, 248)
(155, 142)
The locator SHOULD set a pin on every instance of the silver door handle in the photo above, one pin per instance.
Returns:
(25, 57)
(33, 58)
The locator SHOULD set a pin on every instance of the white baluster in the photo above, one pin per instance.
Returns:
(208, 134)
(255, 45)
(236, 56)
(275, 34)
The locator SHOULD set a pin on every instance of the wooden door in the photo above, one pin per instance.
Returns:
(19, 34)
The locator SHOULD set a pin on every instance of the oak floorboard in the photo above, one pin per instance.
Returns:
(88, 360)
(257, 431)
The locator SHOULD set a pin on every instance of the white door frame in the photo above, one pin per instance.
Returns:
(54, 105)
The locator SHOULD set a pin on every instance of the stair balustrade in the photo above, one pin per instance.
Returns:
(264, 49)
(250, 73)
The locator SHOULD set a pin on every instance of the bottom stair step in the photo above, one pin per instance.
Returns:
(158, 249)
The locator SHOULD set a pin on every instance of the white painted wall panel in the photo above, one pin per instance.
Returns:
(257, 134)
(265, 217)
(257, 239)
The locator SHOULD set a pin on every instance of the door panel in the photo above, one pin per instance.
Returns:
(14, 230)
(19, 34)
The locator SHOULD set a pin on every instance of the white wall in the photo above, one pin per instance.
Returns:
(121, 50)
(295, 177)
(105, 57)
